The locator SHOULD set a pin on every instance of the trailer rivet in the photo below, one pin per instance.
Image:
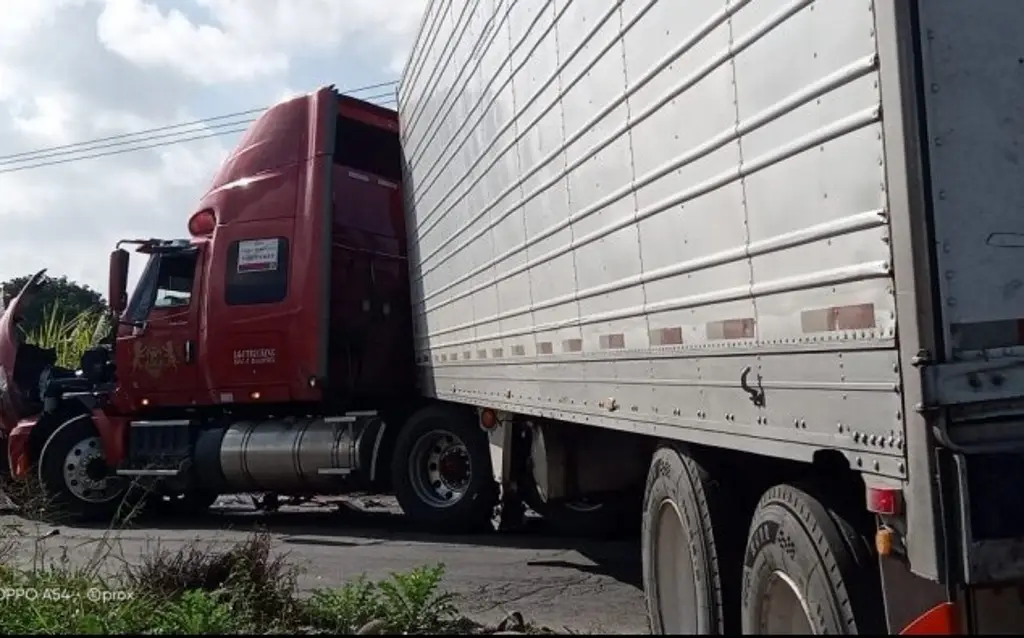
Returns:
(876, 465)
(856, 437)
(900, 468)
(839, 427)
(860, 461)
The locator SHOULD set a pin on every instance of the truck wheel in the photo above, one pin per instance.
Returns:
(441, 471)
(806, 571)
(74, 474)
(688, 549)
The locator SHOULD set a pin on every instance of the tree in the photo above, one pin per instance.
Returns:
(67, 298)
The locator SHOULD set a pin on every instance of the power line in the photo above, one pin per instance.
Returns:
(39, 155)
(118, 151)
(121, 141)
(146, 135)
(108, 153)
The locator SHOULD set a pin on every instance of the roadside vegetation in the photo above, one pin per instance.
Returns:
(243, 589)
(69, 334)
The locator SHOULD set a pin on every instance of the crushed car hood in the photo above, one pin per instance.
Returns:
(9, 342)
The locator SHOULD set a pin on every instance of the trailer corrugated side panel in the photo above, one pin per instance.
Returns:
(668, 217)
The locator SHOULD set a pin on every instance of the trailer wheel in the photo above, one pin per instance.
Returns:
(688, 549)
(807, 571)
(74, 474)
(441, 471)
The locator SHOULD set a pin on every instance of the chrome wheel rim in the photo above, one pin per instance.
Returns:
(85, 473)
(440, 468)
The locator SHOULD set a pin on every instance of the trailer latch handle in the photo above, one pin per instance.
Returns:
(756, 394)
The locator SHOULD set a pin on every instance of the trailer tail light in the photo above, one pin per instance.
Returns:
(885, 500)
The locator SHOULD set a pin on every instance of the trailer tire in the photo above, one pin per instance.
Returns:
(75, 478)
(441, 472)
(689, 550)
(806, 570)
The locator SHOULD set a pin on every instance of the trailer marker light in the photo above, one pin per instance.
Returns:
(144, 402)
(488, 420)
(884, 541)
(884, 500)
(255, 395)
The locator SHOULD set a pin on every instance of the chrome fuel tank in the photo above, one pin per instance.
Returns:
(297, 455)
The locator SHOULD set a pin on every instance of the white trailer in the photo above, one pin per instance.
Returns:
(751, 269)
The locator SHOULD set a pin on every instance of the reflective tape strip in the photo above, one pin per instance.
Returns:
(835, 318)
(731, 329)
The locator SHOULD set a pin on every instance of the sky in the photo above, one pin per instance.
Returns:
(73, 71)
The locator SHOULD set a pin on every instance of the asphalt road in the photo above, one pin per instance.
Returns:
(564, 584)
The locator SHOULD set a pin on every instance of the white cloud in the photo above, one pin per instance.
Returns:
(77, 70)
(243, 42)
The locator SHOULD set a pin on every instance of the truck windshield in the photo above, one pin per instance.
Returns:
(165, 283)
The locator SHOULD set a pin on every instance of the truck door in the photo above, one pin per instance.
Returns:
(156, 359)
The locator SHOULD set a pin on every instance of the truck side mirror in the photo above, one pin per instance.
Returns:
(118, 281)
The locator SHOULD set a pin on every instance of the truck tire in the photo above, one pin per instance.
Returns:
(441, 472)
(689, 549)
(806, 570)
(75, 478)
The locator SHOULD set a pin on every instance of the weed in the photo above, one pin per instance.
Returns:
(256, 585)
(406, 603)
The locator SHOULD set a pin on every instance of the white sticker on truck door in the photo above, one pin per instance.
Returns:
(258, 255)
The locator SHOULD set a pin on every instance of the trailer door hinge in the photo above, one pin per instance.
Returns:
(965, 382)
(922, 358)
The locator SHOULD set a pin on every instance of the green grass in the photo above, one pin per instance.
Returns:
(244, 589)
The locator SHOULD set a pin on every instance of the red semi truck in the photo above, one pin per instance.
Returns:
(744, 275)
(268, 352)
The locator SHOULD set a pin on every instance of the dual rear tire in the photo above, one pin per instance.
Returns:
(800, 568)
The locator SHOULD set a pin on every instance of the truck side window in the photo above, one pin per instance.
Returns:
(174, 283)
(257, 271)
